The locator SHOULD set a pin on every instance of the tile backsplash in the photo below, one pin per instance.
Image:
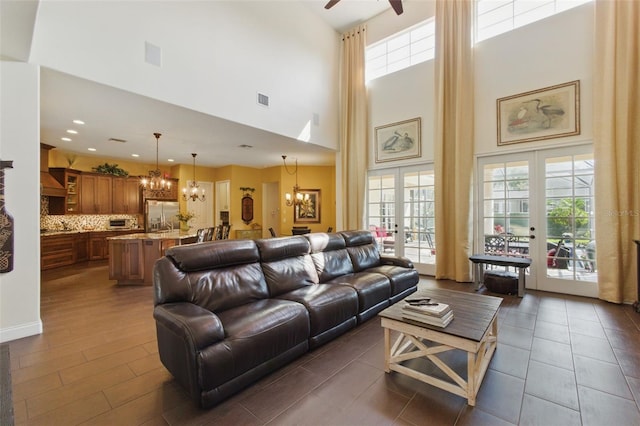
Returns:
(80, 221)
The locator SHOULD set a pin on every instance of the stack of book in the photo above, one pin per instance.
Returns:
(427, 312)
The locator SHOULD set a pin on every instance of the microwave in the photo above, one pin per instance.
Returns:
(119, 224)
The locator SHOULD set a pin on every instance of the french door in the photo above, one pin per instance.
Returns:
(540, 205)
(400, 213)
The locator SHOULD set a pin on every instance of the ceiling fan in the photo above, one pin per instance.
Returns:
(395, 4)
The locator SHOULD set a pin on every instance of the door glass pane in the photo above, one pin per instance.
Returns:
(418, 231)
(570, 222)
(381, 210)
(506, 208)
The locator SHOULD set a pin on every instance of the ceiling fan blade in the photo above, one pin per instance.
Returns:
(331, 4)
(397, 6)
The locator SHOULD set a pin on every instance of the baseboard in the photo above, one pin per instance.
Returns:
(20, 331)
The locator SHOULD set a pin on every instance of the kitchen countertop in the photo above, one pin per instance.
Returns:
(84, 231)
(168, 235)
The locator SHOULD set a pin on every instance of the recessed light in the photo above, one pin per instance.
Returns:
(78, 121)
(73, 132)
(91, 149)
(66, 139)
(171, 160)
(135, 155)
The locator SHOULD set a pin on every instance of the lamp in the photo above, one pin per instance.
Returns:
(193, 185)
(155, 182)
(297, 198)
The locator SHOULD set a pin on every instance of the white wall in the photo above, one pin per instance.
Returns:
(548, 52)
(19, 142)
(555, 50)
(216, 56)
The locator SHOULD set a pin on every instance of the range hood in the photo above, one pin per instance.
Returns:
(49, 186)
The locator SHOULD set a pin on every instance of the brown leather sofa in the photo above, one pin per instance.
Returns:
(230, 312)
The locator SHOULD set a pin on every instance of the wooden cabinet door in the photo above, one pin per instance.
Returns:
(95, 194)
(56, 250)
(98, 246)
(81, 247)
(126, 262)
(126, 196)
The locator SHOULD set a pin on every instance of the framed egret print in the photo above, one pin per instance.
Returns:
(548, 113)
(398, 141)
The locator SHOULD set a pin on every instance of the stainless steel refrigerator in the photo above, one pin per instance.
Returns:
(161, 216)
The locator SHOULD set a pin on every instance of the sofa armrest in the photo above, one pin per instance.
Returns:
(200, 327)
(396, 261)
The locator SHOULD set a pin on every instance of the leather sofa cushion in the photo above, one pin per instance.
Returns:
(401, 278)
(215, 290)
(328, 305)
(213, 255)
(371, 288)
(272, 249)
(255, 333)
(286, 268)
(364, 257)
(362, 249)
(329, 255)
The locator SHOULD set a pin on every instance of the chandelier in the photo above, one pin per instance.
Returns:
(155, 182)
(297, 198)
(192, 190)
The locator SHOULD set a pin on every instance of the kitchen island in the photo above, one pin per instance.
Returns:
(132, 256)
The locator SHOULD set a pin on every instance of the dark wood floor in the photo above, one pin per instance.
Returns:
(561, 360)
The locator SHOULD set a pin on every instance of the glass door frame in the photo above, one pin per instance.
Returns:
(398, 227)
(538, 277)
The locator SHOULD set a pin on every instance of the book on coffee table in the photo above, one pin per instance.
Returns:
(442, 321)
(431, 309)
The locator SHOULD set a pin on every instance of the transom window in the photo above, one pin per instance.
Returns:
(401, 50)
(495, 17)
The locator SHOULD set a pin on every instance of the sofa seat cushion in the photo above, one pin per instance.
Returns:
(402, 279)
(372, 288)
(254, 334)
(328, 305)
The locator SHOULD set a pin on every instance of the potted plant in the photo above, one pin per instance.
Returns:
(184, 219)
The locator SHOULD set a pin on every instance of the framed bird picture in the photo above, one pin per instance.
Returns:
(398, 141)
(548, 113)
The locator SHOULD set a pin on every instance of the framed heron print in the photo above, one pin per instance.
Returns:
(398, 141)
(548, 113)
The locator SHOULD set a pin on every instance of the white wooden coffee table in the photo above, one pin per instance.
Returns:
(474, 330)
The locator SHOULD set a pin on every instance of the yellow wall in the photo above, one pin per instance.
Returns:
(310, 177)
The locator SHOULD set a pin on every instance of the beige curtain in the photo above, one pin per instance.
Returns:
(353, 128)
(616, 134)
(453, 137)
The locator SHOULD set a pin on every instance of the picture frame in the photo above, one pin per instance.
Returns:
(398, 141)
(308, 212)
(547, 113)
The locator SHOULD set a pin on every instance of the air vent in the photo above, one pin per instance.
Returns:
(117, 140)
(263, 99)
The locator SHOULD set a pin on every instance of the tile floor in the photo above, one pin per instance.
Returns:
(561, 360)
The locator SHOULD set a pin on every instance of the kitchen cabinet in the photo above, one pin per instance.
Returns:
(68, 248)
(126, 261)
(98, 247)
(126, 196)
(132, 256)
(70, 203)
(57, 250)
(95, 194)
(81, 247)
